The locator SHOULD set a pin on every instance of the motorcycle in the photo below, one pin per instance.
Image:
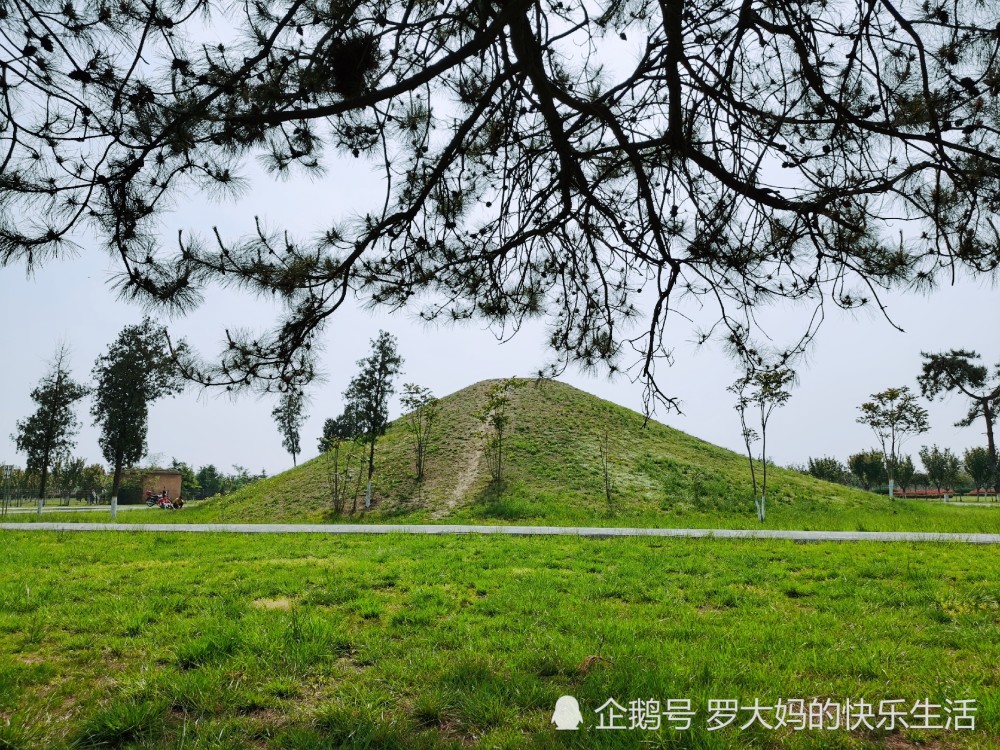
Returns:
(161, 501)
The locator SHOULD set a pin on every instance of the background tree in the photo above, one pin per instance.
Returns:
(868, 467)
(47, 435)
(67, 475)
(241, 477)
(761, 392)
(959, 371)
(288, 416)
(941, 466)
(190, 488)
(893, 415)
(93, 481)
(979, 465)
(136, 371)
(6, 487)
(557, 183)
(343, 427)
(905, 471)
(367, 396)
(209, 480)
(827, 468)
(21, 484)
(423, 410)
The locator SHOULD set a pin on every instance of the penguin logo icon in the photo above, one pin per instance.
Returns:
(567, 714)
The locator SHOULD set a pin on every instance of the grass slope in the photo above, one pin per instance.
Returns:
(661, 477)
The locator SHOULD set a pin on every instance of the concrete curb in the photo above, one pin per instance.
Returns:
(589, 532)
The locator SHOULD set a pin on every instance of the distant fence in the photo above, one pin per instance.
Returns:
(960, 492)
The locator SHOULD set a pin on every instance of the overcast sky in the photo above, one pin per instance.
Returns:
(70, 300)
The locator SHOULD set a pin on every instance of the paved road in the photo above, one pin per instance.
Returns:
(593, 532)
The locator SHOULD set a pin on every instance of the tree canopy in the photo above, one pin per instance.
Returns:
(868, 467)
(827, 468)
(942, 466)
(336, 429)
(600, 163)
(978, 463)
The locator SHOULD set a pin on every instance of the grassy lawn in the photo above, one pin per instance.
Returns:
(511, 508)
(121, 640)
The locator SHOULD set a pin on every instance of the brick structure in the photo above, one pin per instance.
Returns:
(157, 481)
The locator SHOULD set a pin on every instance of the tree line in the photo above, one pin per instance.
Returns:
(73, 479)
(136, 370)
(943, 470)
(895, 415)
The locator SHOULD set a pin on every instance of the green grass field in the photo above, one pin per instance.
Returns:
(122, 640)
(900, 515)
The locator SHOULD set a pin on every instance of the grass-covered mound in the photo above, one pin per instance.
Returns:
(553, 475)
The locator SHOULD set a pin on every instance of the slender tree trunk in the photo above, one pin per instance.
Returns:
(45, 478)
(357, 487)
(46, 458)
(418, 433)
(421, 450)
(763, 478)
(371, 471)
(115, 484)
(992, 447)
(49, 429)
(763, 454)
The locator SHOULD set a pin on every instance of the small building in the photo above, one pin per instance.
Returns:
(162, 479)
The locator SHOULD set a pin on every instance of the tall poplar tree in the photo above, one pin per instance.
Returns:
(47, 435)
(135, 371)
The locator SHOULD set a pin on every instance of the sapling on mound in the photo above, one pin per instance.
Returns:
(494, 419)
(423, 411)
